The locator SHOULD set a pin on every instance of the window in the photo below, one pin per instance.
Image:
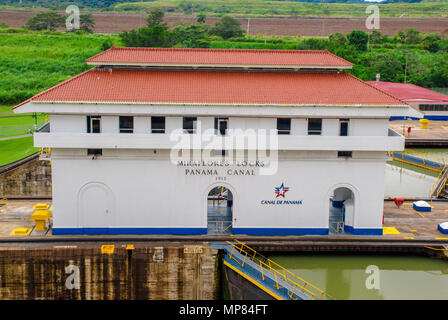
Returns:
(189, 124)
(345, 154)
(343, 127)
(158, 124)
(221, 125)
(93, 124)
(94, 152)
(433, 107)
(126, 124)
(314, 126)
(283, 126)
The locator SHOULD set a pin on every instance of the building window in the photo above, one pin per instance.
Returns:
(433, 107)
(94, 152)
(221, 125)
(314, 126)
(283, 126)
(343, 127)
(344, 154)
(189, 124)
(93, 124)
(126, 124)
(158, 124)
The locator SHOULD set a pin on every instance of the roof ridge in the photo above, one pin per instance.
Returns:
(218, 49)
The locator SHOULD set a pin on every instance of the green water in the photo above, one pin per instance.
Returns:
(401, 277)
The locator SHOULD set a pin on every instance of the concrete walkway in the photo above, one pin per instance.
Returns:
(16, 137)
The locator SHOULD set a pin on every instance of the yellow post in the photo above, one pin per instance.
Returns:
(40, 217)
(424, 123)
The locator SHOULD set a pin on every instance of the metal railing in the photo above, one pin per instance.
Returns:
(439, 184)
(420, 159)
(278, 271)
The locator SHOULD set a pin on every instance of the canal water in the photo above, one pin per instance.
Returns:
(371, 277)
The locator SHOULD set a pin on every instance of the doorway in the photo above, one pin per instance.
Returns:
(341, 210)
(219, 211)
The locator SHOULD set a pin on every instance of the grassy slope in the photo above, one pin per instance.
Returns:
(31, 63)
(262, 7)
(15, 149)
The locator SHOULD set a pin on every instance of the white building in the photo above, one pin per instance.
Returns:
(112, 136)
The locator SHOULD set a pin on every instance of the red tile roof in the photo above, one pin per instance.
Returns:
(218, 57)
(410, 92)
(216, 87)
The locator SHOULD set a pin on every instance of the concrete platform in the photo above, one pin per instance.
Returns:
(435, 136)
(408, 223)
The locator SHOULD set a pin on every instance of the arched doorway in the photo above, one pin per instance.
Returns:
(219, 210)
(341, 210)
(96, 208)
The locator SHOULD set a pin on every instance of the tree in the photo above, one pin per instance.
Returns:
(201, 18)
(431, 42)
(157, 36)
(227, 27)
(338, 38)
(376, 37)
(358, 39)
(193, 36)
(410, 36)
(50, 20)
(155, 18)
(86, 23)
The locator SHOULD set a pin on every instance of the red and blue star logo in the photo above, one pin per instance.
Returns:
(280, 191)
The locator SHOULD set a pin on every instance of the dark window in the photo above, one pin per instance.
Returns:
(343, 127)
(189, 124)
(221, 125)
(284, 126)
(433, 107)
(346, 154)
(126, 124)
(94, 152)
(314, 126)
(158, 124)
(93, 124)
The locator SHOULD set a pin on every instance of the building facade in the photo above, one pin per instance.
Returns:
(197, 141)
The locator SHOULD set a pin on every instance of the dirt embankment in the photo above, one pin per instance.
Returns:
(117, 22)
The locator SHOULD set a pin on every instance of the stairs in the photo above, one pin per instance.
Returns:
(270, 277)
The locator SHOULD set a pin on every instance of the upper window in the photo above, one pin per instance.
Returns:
(158, 124)
(284, 126)
(343, 127)
(314, 126)
(126, 124)
(93, 124)
(189, 124)
(221, 125)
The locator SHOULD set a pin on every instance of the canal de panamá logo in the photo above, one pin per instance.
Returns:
(280, 192)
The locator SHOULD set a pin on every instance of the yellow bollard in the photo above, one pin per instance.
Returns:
(424, 123)
(40, 217)
(20, 232)
(41, 206)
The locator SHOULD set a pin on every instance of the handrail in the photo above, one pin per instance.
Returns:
(439, 183)
(277, 270)
(428, 160)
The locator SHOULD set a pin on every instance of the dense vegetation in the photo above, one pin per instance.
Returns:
(33, 61)
(333, 8)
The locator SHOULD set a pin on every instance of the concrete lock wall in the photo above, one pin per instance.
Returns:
(32, 179)
(129, 192)
(175, 272)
